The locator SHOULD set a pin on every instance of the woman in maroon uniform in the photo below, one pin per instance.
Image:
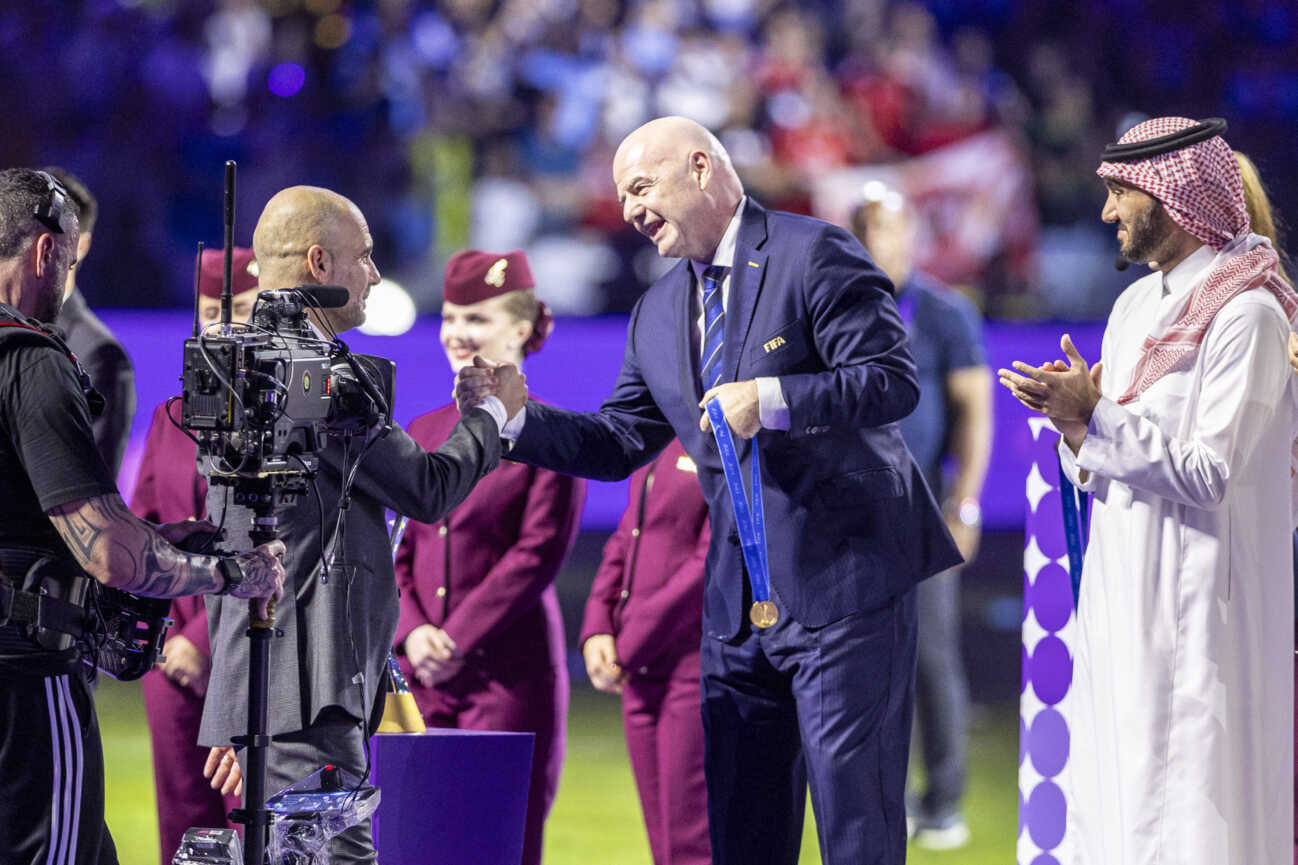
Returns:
(168, 489)
(480, 633)
(640, 638)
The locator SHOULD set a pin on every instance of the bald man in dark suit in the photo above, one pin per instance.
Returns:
(788, 324)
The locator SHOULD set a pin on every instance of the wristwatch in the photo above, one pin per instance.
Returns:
(230, 572)
(967, 510)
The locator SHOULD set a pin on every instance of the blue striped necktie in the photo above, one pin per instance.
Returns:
(714, 326)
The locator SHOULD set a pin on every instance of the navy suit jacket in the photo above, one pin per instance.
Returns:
(850, 520)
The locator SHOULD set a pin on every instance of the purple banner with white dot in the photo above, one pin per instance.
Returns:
(1047, 659)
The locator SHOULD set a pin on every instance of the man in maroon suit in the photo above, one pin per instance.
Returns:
(480, 632)
(169, 488)
(641, 637)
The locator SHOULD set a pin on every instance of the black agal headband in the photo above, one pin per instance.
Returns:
(1134, 151)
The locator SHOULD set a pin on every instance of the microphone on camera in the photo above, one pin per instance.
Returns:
(323, 296)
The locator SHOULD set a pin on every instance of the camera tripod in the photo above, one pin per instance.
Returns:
(264, 494)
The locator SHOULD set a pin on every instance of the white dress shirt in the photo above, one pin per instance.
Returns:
(772, 409)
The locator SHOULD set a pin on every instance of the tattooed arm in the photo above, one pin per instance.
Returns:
(121, 550)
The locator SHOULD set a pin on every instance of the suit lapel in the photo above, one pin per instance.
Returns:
(746, 280)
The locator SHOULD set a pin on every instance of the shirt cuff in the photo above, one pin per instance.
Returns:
(513, 428)
(772, 410)
(494, 407)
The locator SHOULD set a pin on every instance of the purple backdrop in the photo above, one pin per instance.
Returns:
(1047, 671)
(576, 370)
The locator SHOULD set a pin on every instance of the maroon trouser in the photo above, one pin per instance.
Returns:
(663, 719)
(184, 797)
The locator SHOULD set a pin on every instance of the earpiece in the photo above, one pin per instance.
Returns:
(49, 212)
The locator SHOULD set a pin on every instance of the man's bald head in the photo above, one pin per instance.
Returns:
(677, 186)
(676, 136)
(311, 235)
(291, 222)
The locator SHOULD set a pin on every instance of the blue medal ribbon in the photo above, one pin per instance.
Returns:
(1076, 528)
(750, 521)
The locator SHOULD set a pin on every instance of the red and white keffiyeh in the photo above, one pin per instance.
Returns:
(1201, 189)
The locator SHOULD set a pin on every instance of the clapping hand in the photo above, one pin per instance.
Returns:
(1065, 392)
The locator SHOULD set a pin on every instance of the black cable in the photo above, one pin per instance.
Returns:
(177, 424)
(202, 348)
(319, 503)
(347, 473)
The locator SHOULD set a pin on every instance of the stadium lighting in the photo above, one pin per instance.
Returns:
(389, 311)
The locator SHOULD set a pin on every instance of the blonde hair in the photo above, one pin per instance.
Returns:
(1260, 215)
(523, 305)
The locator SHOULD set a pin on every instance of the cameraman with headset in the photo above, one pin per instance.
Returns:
(328, 671)
(62, 523)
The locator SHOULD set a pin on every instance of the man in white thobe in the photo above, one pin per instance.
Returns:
(1181, 704)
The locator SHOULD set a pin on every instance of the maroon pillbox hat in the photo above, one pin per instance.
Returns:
(473, 276)
(243, 272)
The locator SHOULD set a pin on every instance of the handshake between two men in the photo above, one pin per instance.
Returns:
(485, 378)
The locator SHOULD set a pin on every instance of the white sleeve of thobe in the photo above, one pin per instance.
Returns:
(1293, 469)
(1067, 459)
(1072, 471)
(1243, 383)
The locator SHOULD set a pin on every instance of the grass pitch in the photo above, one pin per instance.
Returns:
(596, 819)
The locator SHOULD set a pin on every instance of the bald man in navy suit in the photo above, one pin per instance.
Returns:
(814, 372)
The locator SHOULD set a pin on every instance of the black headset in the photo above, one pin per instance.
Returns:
(49, 212)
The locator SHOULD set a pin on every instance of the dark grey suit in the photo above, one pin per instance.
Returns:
(110, 372)
(328, 669)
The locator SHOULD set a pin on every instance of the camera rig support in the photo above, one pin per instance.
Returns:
(260, 401)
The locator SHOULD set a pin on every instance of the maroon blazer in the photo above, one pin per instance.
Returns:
(168, 489)
(485, 573)
(648, 591)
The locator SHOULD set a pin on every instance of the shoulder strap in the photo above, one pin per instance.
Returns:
(16, 326)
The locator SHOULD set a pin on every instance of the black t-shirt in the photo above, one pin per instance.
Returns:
(47, 451)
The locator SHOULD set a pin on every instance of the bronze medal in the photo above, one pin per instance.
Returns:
(764, 614)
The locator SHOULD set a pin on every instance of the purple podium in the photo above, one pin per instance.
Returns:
(451, 797)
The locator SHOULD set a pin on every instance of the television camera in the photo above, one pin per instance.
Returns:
(261, 399)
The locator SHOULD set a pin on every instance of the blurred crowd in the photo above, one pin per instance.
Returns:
(491, 123)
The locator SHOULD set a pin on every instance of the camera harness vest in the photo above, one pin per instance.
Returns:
(18, 606)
